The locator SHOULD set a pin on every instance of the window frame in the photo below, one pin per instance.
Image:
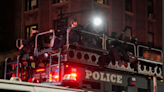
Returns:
(128, 27)
(128, 5)
(150, 43)
(27, 34)
(103, 2)
(29, 8)
(58, 1)
(150, 9)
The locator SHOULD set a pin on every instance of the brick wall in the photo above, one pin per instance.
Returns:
(117, 15)
(43, 15)
(158, 28)
(74, 6)
(141, 21)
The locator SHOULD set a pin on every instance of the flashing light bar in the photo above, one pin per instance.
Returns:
(71, 76)
(40, 70)
(56, 76)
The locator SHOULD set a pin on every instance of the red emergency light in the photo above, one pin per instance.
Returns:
(71, 75)
(133, 83)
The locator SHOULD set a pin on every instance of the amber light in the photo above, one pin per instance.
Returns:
(50, 77)
(40, 70)
(74, 74)
(66, 66)
(56, 77)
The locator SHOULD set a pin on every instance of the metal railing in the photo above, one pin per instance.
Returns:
(9, 63)
(128, 43)
(59, 63)
(153, 50)
(36, 40)
(103, 39)
(17, 42)
(89, 33)
(104, 44)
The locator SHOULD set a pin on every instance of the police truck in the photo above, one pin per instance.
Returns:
(80, 67)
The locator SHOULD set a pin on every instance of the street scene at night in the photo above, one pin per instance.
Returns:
(81, 46)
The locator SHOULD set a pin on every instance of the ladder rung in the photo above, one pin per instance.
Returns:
(11, 73)
(24, 62)
(11, 63)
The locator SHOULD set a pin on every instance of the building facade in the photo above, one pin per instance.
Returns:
(141, 17)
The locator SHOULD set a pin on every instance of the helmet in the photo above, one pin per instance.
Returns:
(73, 20)
(134, 39)
(113, 35)
(35, 29)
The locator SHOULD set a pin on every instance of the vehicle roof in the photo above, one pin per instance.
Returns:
(36, 85)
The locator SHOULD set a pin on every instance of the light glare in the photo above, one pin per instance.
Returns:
(97, 21)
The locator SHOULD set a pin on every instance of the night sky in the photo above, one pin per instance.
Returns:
(7, 38)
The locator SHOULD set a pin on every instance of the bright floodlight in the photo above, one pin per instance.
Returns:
(97, 21)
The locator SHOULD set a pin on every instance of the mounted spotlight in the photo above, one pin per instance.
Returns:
(46, 55)
(97, 21)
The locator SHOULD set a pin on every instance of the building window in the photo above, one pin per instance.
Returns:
(128, 5)
(150, 39)
(60, 24)
(58, 1)
(29, 30)
(31, 4)
(128, 32)
(102, 1)
(150, 27)
(150, 7)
